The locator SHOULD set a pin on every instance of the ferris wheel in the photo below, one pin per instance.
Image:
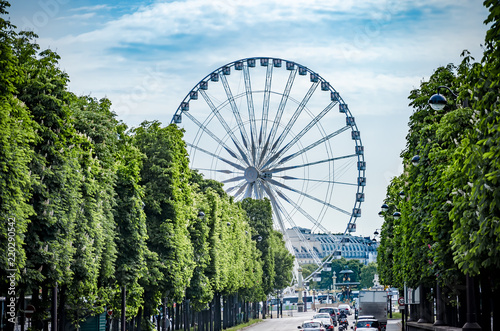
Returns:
(272, 128)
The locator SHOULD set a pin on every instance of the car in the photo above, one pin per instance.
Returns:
(326, 318)
(312, 325)
(346, 308)
(369, 324)
(333, 311)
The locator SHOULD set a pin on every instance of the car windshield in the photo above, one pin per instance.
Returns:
(310, 325)
(322, 316)
(367, 324)
(325, 310)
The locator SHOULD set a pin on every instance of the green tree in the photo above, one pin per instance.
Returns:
(260, 217)
(283, 262)
(169, 208)
(16, 138)
(367, 275)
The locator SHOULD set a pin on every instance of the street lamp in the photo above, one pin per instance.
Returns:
(415, 160)
(334, 289)
(384, 207)
(257, 237)
(396, 215)
(438, 101)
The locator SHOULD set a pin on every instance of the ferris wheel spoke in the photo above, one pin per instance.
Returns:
(274, 170)
(295, 116)
(237, 166)
(301, 133)
(279, 113)
(234, 179)
(232, 188)
(248, 192)
(276, 183)
(275, 202)
(217, 139)
(280, 211)
(241, 189)
(320, 141)
(316, 180)
(251, 111)
(223, 122)
(302, 211)
(224, 171)
(265, 105)
(235, 110)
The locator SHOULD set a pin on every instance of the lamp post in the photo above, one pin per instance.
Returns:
(438, 102)
(334, 277)
(300, 303)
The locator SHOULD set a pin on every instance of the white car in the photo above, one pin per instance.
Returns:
(312, 325)
(346, 308)
(326, 319)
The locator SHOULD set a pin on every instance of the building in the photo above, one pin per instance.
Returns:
(314, 247)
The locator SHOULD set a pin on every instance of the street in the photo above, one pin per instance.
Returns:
(291, 323)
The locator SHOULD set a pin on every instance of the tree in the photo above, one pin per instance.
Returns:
(261, 221)
(367, 275)
(169, 208)
(450, 226)
(283, 262)
(16, 138)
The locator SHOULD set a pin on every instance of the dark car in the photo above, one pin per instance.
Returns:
(367, 325)
(331, 311)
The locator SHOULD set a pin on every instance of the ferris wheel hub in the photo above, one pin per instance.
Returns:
(251, 174)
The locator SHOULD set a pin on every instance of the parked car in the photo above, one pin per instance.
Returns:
(367, 325)
(333, 311)
(326, 318)
(346, 308)
(312, 325)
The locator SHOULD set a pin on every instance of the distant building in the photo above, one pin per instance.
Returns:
(313, 247)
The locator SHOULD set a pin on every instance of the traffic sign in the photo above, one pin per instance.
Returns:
(401, 302)
(28, 312)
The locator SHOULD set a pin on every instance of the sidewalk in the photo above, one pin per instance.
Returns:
(393, 325)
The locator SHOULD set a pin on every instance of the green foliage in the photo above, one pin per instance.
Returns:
(168, 205)
(16, 138)
(98, 208)
(337, 266)
(450, 224)
(367, 275)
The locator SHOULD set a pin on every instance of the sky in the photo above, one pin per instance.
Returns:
(145, 56)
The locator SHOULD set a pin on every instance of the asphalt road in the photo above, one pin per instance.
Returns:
(287, 322)
(291, 323)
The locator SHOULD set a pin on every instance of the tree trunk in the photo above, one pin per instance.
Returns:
(54, 308)
(62, 308)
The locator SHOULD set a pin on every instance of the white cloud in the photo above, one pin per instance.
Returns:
(373, 52)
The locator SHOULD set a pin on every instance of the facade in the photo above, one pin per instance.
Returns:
(313, 247)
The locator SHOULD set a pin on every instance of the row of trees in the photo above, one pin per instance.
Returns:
(364, 274)
(450, 203)
(98, 207)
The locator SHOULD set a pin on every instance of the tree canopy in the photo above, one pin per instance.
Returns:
(450, 202)
(94, 207)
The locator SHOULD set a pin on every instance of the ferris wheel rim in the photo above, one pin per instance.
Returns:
(353, 126)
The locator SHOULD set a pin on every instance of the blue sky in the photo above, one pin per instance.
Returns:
(147, 55)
